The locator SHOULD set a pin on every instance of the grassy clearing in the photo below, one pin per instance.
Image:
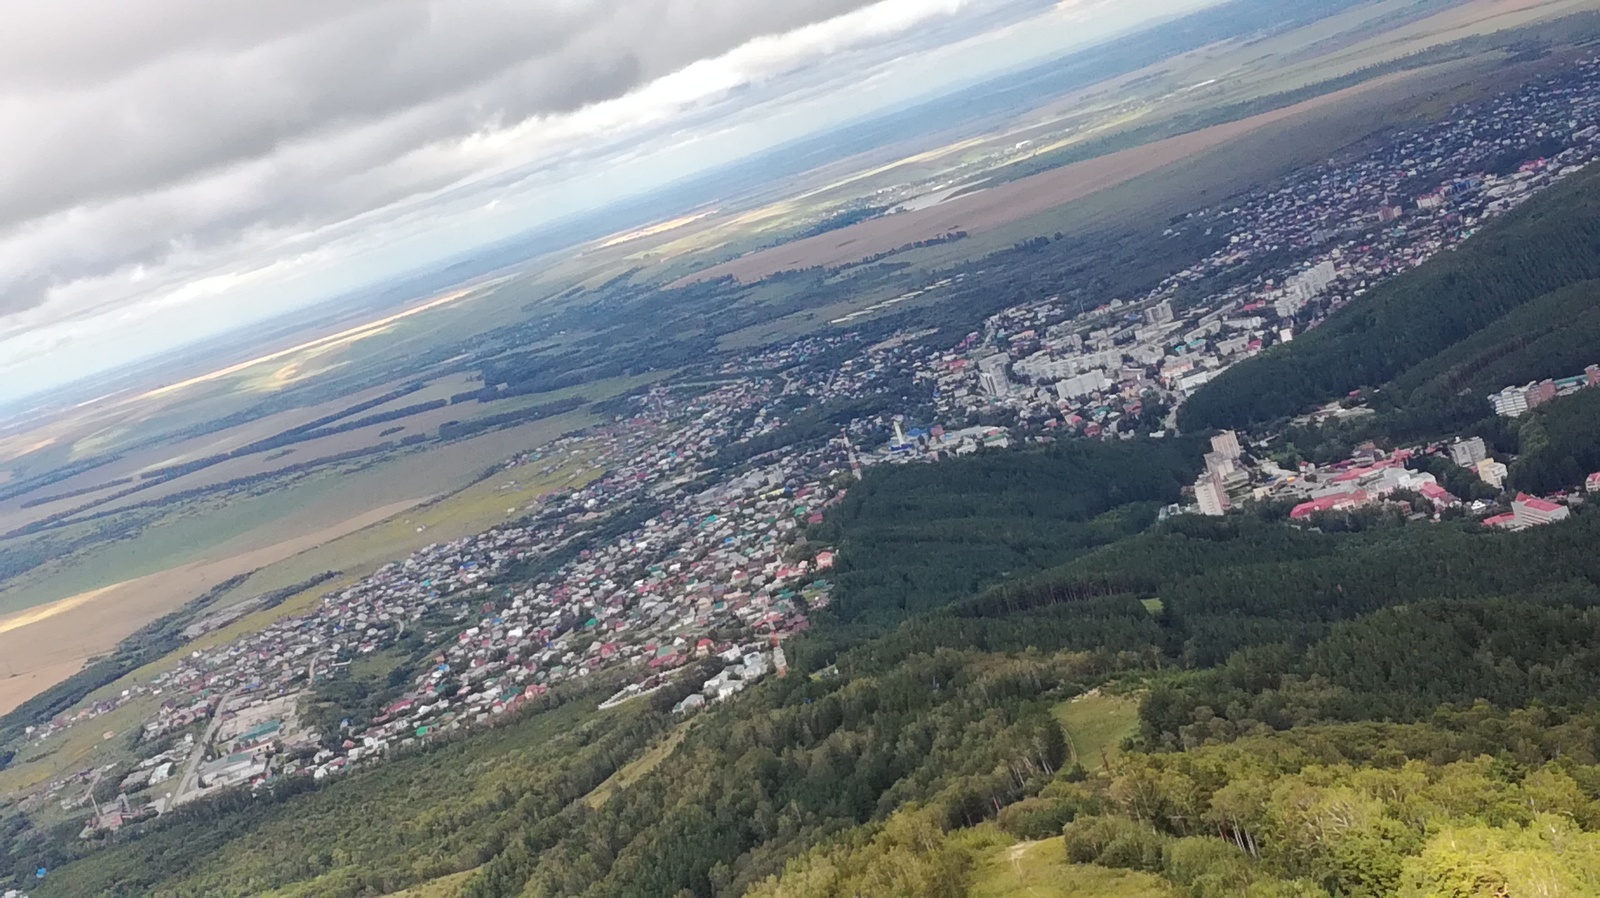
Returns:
(444, 887)
(1041, 870)
(378, 665)
(1096, 723)
(637, 768)
(190, 532)
(79, 748)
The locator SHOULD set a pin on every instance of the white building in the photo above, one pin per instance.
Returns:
(1218, 465)
(1210, 496)
(1226, 443)
(1528, 511)
(1512, 402)
(1083, 385)
(1467, 453)
(1160, 313)
(992, 376)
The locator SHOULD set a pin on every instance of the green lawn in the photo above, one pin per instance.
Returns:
(1097, 723)
(446, 887)
(634, 770)
(1041, 870)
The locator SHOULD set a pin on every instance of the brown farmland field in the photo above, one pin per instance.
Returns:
(44, 645)
(998, 206)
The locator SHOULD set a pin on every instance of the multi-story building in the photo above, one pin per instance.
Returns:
(992, 376)
(1226, 443)
(1467, 453)
(1083, 385)
(1540, 393)
(1210, 496)
(1219, 465)
(1492, 473)
(1512, 402)
(1528, 511)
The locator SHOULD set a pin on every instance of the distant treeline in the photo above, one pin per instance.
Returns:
(302, 434)
(84, 513)
(73, 494)
(455, 430)
(1520, 40)
(948, 237)
(28, 485)
(841, 219)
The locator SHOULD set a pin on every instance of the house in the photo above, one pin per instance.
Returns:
(1593, 483)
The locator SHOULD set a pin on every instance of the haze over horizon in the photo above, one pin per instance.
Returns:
(182, 169)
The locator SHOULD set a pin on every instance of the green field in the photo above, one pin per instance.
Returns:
(1096, 724)
(444, 887)
(211, 527)
(1041, 870)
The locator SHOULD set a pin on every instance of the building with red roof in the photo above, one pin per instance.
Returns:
(1533, 512)
(1438, 495)
(1335, 502)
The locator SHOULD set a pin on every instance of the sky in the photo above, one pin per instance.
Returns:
(177, 169)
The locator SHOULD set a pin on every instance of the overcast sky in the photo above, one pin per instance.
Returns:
(171, 169)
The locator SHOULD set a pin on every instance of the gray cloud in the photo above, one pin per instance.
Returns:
(138, 132)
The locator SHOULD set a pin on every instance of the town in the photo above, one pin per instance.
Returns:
(688, 554)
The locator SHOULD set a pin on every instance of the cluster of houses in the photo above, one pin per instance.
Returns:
(728, 558)
(1370, 476)
(1349, 224)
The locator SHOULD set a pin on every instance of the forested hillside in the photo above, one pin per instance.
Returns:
(1397, 708)
(916, 537)
(1449, 326)
(1559, 443)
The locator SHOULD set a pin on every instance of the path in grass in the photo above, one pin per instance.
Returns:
(1041, 870)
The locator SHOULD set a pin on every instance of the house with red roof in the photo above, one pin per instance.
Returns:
(1507, 521)
(1438, 495)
